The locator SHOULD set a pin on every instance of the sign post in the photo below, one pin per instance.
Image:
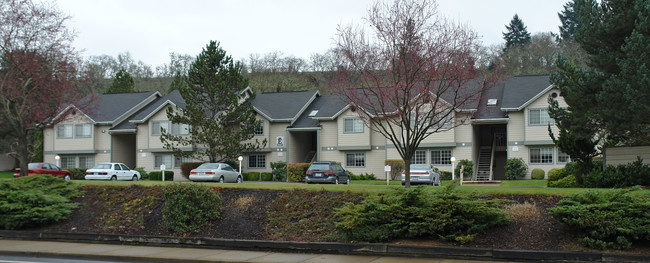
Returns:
(387, 170)
(162, 168)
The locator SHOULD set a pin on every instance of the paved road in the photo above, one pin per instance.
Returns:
(42, 251)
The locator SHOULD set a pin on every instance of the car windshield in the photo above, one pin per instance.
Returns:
(208, 166)
(103, 166)
(32, 165)
(319, 167)
(420, 167)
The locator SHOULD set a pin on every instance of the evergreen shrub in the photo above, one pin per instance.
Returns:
(515, 168)
(157, 176)
(537, 174)
(189, 207)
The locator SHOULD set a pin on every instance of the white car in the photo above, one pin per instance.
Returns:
(112, 171)
(221, 172)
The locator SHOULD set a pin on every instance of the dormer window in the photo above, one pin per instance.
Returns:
(313, 113)
(492, 102)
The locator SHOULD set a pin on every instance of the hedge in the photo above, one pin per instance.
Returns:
(187, 167)
(157, 176)
(296, 171)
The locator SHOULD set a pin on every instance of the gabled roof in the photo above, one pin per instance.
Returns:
(109, 108)
(487, 112)
(174, 98)
(520, 91)
(325, 107)
(283, 106)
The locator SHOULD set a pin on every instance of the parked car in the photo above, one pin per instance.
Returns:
(423, 174)
(326, 172)
(45, 168)
(112, 171)
(221, 172)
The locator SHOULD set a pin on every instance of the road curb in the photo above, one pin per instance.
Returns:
(373, 249)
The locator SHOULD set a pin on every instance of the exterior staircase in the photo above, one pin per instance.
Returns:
(484, 164)
(310, 156)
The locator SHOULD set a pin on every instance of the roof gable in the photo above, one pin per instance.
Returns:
(283, 106)
(521, 91)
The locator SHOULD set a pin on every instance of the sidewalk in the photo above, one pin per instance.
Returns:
(173, 254)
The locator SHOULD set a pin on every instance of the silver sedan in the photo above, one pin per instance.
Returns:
(423, 174)
(220, 172)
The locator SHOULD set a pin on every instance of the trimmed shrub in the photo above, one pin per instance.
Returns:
(568, 181)
(396, 168)
(515, 168)
(296, 171)
(363, 176)
(279, 170)
(187, 167)
(266, 176)
(445, 175)
(537, 174)
(554, 175)
(143, 173)
(35, 200)
(416, 213)
(468, 170)
(606, 219)
(78, 173)
(157, 176)
(189, 207)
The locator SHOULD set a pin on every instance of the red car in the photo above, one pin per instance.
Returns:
(45, 168)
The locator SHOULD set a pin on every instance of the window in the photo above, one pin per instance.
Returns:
(86, 161)
(257, 161)
(259, 129)
(64, 131)
(178, 161)
(541, 155)
(82, 131)
(420, 157)
(539, 117)
(159, 127)
(68, 161)
(352, 125)
(440, 156)
(165, 159)
(562, 157)
(355, 160)
(180, 129)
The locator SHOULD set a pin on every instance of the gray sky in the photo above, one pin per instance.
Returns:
(151, 29)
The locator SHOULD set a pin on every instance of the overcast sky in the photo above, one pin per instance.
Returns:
(151, 29)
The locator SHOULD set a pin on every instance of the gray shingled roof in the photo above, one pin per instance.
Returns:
(152, 108)
(521, 89)
(109, 107)
(484, 111)
(282, 105)
(327, 106)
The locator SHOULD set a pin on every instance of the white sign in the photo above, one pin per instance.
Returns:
(515, 148)
(279, 141)
(162, 167)
(387, 168)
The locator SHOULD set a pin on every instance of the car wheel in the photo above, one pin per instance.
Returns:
(348, 181)
(113, 178)
(67, 177)
(135, 178)
(221, 179)
(336, 181)
(239, 179)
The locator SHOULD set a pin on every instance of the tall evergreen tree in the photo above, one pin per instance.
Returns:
(610, 100)
(122, 83)
(569, 20)
(517, 34)
(219, 117)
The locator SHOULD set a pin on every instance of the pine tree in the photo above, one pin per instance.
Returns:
(517, 34)
(122, 83)
(219, 117)
(569, 20)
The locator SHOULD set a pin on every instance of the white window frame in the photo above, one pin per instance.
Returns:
(86, 127)
(180, 129)
(562, 157)
(543, 153)
(178, 160)
(259, 130)
(542, 116)
(352, 125)
(257, 161)
(355, 160)
(419, 157)
(89, 161)
(163, 158)
(442, 156)
(67, 129)
(156, 127)
(68, 161)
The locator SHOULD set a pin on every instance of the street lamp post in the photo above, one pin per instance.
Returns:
(453, 169)
(240, 158)
(58, 160)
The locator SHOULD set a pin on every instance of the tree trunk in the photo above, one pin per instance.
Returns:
(407, 173)
(23, 154)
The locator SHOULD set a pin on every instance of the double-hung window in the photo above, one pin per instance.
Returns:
(257, 161)
(355, 160)
(159, 127)
(539, 117)
(259, 127)
(541, 155)
(352, 125)
(83, 130)
(562, 157)
(163, 158)
(420, 157)
(440, 157)
(64, 131)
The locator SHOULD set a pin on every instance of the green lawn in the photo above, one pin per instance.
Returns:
(9, 174)
(377, 186)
